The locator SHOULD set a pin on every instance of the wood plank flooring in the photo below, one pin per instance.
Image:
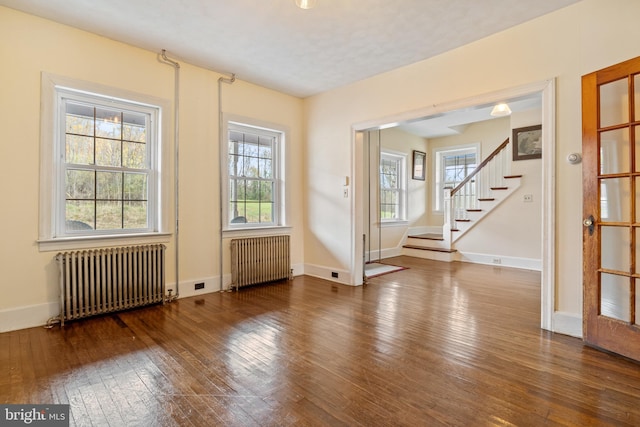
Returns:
(435, 344)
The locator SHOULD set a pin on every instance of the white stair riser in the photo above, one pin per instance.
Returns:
(427, 243)
(427, 254)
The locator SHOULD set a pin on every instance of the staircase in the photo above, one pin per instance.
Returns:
(482, 191)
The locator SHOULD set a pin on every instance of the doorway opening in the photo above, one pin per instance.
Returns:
(545, 93)
(385, 204)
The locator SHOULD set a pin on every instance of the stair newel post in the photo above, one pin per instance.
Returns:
(448, 218)
(449, 209)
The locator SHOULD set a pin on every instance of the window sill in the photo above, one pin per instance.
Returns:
(90, 242)
(255, 231)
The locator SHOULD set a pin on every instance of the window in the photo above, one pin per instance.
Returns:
(392, 187)
(101, 165)
(254, 178)
(452, 167)
(106, 169)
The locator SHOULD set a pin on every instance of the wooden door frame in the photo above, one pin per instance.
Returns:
(548, 318)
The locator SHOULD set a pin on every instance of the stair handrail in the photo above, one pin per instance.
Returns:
(480, 166)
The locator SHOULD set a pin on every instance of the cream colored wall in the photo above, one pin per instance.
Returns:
(515, 228)
(564, 45)
(31, 45)
(389, 238)
(417, 191)
(489, 134)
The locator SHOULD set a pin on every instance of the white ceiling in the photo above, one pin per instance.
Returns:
(274, 44)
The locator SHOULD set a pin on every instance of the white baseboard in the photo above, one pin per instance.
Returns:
(567, 324)
(212, 284)
(36, 315)
(323, 272)
(384, 253)
(501, 260)
(29, 316)
(188, 287)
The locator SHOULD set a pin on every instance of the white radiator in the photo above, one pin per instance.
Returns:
(259, 260)
(99, 281)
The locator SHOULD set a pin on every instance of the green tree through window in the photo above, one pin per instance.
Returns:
(252, 166)
(106, 168)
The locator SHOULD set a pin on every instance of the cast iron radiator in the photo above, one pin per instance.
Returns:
(259, 260)
(99, 281)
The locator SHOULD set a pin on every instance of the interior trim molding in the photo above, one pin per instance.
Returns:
(29, 316)
(547, 88)
(567, 324)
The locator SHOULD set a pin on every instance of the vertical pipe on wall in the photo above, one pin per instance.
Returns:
(228, 80)
(378, 198)
(368, 155)
(176, 142)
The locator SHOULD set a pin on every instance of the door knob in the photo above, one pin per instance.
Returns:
(590, 224)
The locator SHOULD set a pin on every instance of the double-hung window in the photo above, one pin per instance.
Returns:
(392, 187)
(104, 167)
(254, 176)
(107, 170)
(452, 167)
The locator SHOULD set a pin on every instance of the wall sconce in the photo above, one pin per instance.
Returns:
(501, 110)
(305, 4)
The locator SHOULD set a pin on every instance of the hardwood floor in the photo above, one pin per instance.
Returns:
(435, 344)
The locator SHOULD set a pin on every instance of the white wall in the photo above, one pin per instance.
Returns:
(563, 45)
(32, 45)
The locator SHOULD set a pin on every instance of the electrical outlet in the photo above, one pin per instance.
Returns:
(199, 286)
(528, 198)
(334, 274)
(497, 261)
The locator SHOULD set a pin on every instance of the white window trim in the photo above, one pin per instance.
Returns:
(282, 154)
(404, 185)
(47, 241)
(437, 155)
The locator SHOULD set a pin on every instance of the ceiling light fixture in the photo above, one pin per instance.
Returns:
(501, 110)
(305, 4)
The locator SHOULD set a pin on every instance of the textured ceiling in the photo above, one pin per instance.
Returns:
(274, 44)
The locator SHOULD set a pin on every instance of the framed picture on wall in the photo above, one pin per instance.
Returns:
(419, 165)
(527, 143)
